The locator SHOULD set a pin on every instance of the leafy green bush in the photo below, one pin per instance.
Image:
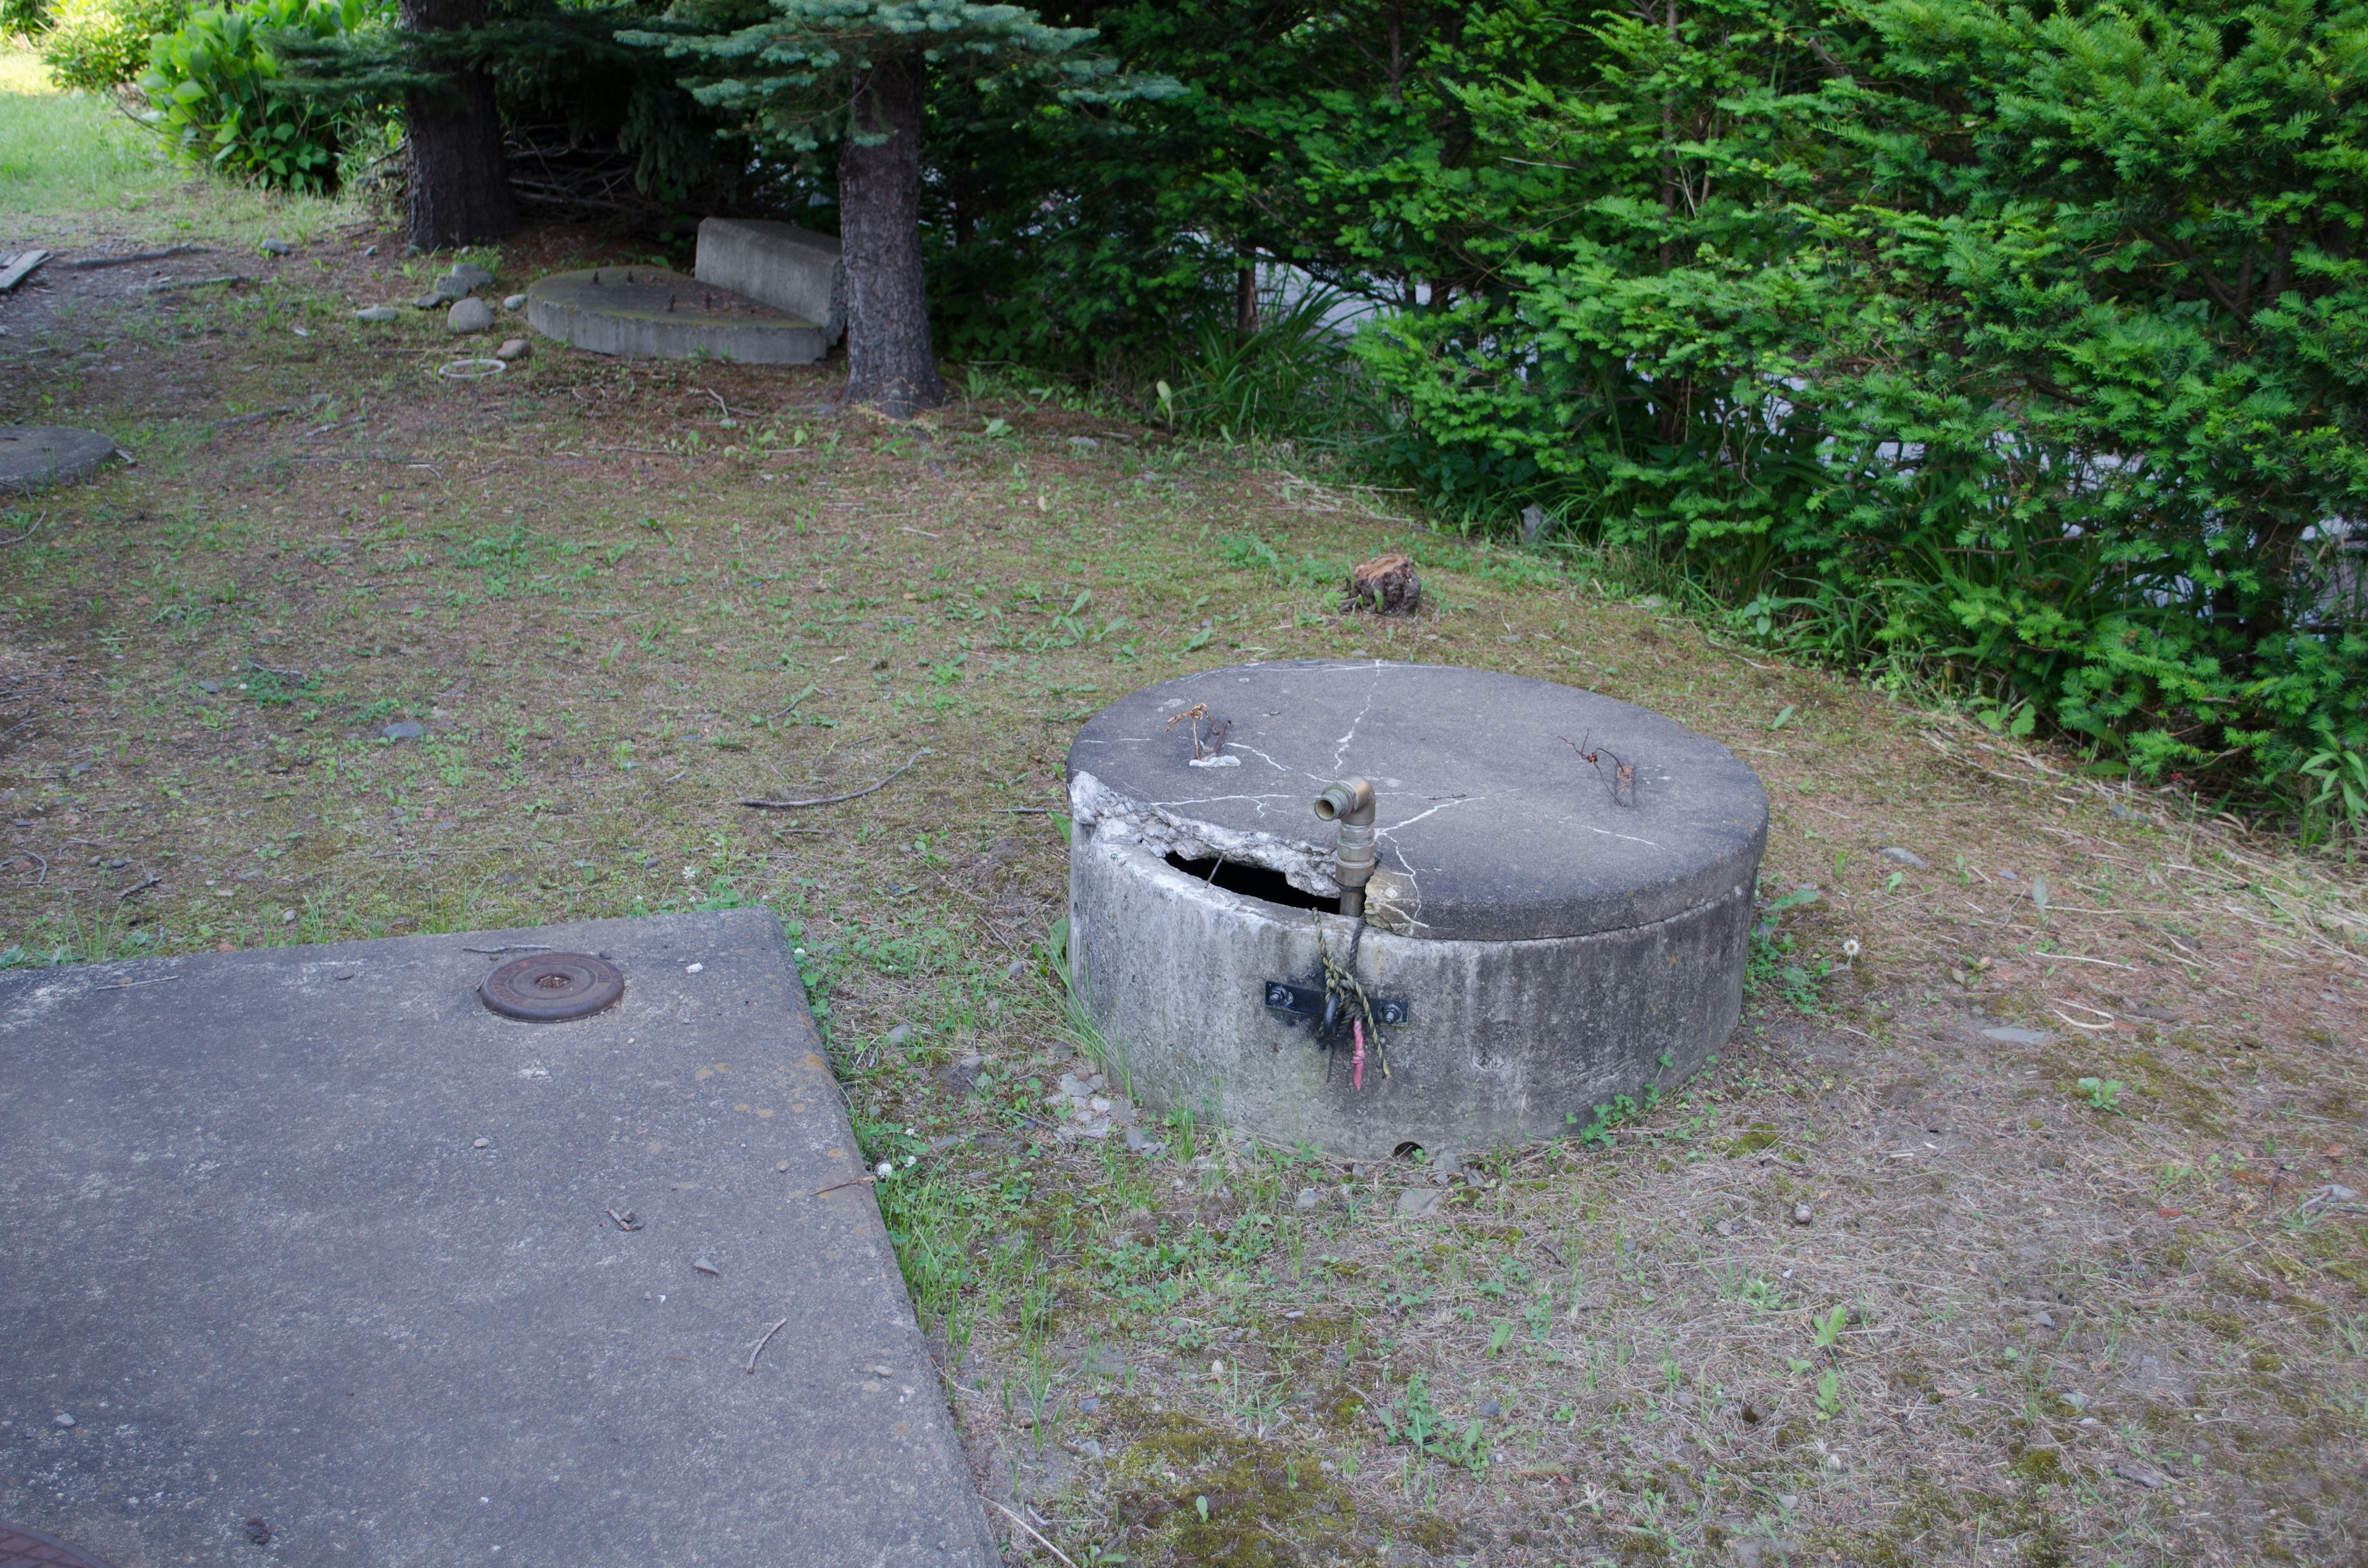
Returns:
(211, 84)
(95, 45)
(24, 19)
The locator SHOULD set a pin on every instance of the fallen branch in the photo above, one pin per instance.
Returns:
(258, 415)
(834, 1187)
(21, 268)
(834, 800)
(1024, 1525)
(759, 1348)
(92, 262)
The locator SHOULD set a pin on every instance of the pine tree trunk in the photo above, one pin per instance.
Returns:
(458, 182)
(889, 359)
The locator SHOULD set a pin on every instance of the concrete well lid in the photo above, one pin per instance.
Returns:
(1483, 804)
(312, 1257)
(32, 456)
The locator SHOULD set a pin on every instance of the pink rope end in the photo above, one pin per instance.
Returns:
(1357, 1062)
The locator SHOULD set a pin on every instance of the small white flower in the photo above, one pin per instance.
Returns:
(884, 1170)
(689, 872)
(912, 1160)
(1850, 948)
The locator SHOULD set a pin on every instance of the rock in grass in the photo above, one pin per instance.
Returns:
(471, 316)
(376, 312)
(403, 730)
(515, 303)
(512, 348)
(278, 247)
(466, 277)
(1908, 858)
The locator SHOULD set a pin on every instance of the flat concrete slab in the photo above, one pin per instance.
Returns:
(33, 457)
(308, 1244)
(648, 312)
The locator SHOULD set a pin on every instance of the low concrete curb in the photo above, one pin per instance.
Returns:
(646, 313)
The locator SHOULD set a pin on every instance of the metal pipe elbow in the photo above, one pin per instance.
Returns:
(1350, 802)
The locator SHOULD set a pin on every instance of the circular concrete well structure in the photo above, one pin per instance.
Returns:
(648, 312)
(1557, 911)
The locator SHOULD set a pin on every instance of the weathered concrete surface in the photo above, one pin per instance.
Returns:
(789, 268)
(308, 1235)
(1556, 947)
(34, 455)
(796, 271)
(640, 312)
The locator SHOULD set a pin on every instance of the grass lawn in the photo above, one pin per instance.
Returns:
(74, 167)
(2024, 1320)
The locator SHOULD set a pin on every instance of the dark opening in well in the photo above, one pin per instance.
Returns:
(1252, 882)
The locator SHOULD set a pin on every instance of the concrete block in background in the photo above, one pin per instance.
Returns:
(794, 270)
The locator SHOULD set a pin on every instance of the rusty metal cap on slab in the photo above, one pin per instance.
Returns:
(21, 1547)
(551, 986)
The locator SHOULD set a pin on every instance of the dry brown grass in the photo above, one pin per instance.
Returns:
(2068, 1334)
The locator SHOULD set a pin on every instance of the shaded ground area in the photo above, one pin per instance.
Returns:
(1887, 1284)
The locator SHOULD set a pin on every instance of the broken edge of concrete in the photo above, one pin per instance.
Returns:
(794, 270)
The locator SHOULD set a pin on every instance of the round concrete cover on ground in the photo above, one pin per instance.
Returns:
(653, 314)
(23, 1548)
(1490, 820)
(551, 986)
(1558, 911)
(32, 456)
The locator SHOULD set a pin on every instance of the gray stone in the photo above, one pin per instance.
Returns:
(705, 1266)
(1803, 1214)
(33, 457)
(512, 348)
(513, 302)
(1556, 947)
(430, 302)
(377, 314)
(1085, 444)
(278, 247)
(901, 1035)
(1490, 1408)
(796, 271)
(647, 313)
(1908, 858)
(403, 730)
(1533, 522)
(1143, 1143)
(209, 686)
(334, 1318)
(1309, 1197)
(465, 278)
(1416, 1202)
(2007, 1034)
(2043, 1320)
(62, 1419)
(2151, 1479)
(1763, 1551)
(471, 316)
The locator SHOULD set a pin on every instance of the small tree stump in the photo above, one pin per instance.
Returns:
(1385, 584)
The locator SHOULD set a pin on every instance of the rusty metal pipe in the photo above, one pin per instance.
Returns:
(1349, 802)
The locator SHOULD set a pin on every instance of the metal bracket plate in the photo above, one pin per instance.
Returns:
(1307, 1002)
